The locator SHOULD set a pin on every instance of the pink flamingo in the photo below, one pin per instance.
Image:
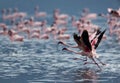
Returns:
(15, 37)
(39, 14)
(62, 36)
(44, 36)
(113, 12)
(4, 31)
(59, 16)
(112, 23)
(59, 33)
(6, 14)
(34, 23)
(20, 15)
(91, 16)
(87, 15)
(50, 29)
(87, 45)
(3, 25)
(35, 35)
(61, 22)
(75, 22)
(23, 28)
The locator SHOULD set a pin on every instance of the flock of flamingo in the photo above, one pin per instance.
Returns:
(87, 37)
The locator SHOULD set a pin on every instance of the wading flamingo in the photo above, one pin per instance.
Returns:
(39, 14)
(15, 37)
(113, 12)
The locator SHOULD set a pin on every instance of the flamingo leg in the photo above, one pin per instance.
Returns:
(100, 61)
(78, 59)
(96, 63)
(75, 53)
(88, 63)
(72, 51)
(85, 58)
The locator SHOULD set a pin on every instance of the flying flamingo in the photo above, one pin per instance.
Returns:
(88, 45)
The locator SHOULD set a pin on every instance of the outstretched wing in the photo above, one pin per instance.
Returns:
(85, 39)
(99, 38)
(96, 34)
(77, 38)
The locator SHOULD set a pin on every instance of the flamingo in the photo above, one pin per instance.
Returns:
(35, 35)
(90, 16)
(75, 22)
(4, 31)
(20, 15)
(39, 14)
(87, 15)
(6, 14)
(3, 25)
(63, 36)
(88, 45)
(115, 13)
(44, 36)
(59, 16)
(60, 22)
(33, 23)
(50, 29)
(15, 37)
(24, 29)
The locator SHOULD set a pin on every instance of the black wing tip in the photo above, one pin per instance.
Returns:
(104, 31)
(98, 32)
(85, 34)
(85, 31)
(75, 36)
(100, 38)
(85, 38)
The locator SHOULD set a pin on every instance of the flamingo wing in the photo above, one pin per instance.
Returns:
(77, 38)
(96, 34)
(99, 38)
(114, 13)
(85, 39)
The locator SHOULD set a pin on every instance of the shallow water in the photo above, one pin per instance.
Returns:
(43, 61)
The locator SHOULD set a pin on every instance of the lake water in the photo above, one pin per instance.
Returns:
(43, 61)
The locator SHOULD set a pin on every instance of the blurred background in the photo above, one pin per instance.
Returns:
(71, 6)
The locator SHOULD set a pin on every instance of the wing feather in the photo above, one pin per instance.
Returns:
(99, 38)
(85, 39)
